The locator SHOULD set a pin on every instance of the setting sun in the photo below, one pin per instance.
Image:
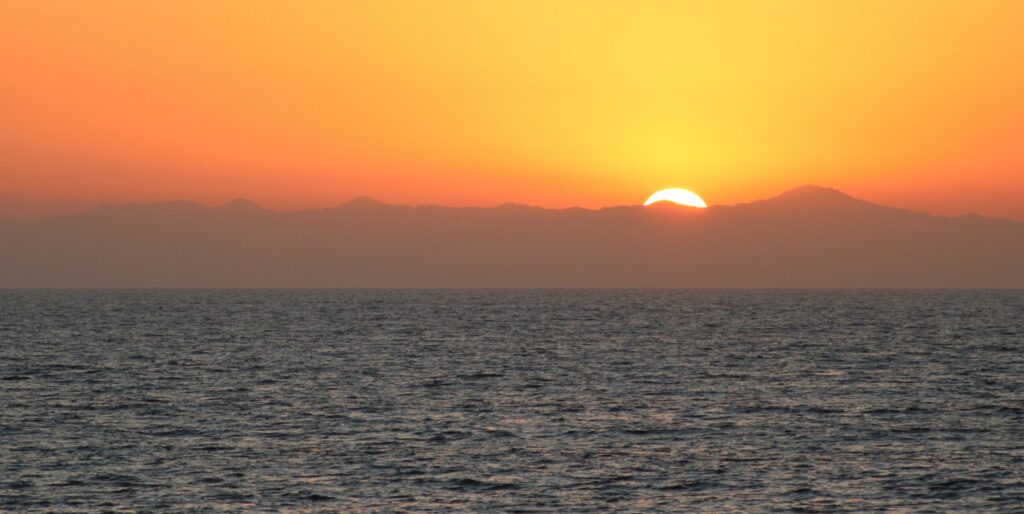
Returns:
(677, 196)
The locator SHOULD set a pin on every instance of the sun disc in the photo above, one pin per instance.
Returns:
(677, 196)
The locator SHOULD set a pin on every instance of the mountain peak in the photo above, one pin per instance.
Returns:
(241, 204)
(813, 191)
(518, 206)
(815, 196)
(362, 200)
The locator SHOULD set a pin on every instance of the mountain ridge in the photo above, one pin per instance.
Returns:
(807, 193)
(811, 237)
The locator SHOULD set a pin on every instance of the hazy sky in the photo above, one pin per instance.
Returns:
(305, 104)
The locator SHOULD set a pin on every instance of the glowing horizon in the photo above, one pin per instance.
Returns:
(912, 104)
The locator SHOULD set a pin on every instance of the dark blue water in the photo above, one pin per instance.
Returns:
(512, 400)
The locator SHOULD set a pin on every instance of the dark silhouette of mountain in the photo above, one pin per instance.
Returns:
(806, 237)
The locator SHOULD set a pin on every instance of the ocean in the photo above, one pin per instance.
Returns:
(512, 400)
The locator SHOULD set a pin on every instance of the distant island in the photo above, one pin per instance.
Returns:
(809, 237)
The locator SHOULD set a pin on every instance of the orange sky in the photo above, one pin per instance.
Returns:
(553, 102)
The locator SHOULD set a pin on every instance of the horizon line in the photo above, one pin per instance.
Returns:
(366, 199)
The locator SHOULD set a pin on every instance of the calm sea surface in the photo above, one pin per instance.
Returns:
(556, 401)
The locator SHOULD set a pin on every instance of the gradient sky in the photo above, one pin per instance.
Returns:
(915, 104)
